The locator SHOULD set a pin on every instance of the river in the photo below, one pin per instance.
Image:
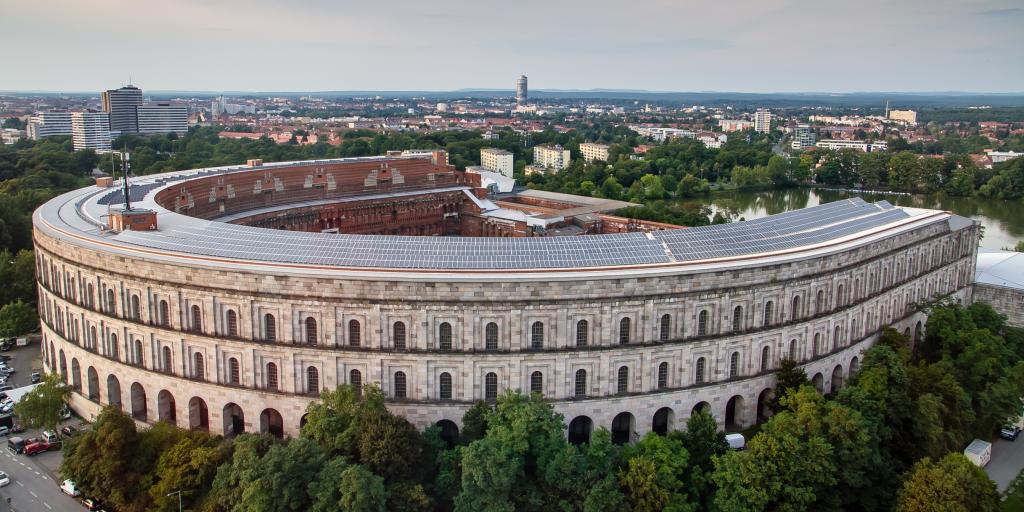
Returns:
(1003, 220)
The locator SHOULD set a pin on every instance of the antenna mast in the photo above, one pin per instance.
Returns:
(126, 164)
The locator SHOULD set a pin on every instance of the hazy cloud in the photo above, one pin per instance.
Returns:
(736, 45)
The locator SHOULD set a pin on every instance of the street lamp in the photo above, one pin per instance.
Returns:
(178, 492)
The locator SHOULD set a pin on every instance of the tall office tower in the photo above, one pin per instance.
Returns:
(521, 92)
(90, 130)
(162, 118)
(120, 104)
(763, 121)
(48, 124)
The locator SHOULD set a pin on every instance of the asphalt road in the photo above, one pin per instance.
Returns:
(34, 480)
(1007, 461)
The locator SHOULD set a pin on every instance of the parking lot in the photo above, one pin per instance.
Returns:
(34, 480)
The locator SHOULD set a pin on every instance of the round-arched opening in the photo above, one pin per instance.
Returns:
(734, 419)
(580, 429)
(234, 420)
(303, 420)
(166, 410)
(854, 366)
(114, 392)
(94, 384)
(139, 410)
(449, 432)
(837, 379)
(819, 382)
(663, 421)
(198, 415)
(272, 423)
(623, 428)
(701, 406)
(764, 400)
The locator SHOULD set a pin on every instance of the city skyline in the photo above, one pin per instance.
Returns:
(326, 46)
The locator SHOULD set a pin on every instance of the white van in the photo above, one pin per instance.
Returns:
(979, 452)
(736, 441)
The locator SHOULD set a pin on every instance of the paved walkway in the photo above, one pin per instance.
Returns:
(1007, 461)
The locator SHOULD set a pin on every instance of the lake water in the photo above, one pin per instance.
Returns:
(1003, 220)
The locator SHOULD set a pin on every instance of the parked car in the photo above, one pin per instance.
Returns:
(16, 444)
(36, 377)
(6, 408)
(4, 479)
(68, 431)
(4, 430)
(37, 447)
(68, 487)
(65, 413)
(1009, 432)
(6, 387)
(50, 436)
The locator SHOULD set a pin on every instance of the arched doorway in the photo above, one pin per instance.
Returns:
(94, 384)
(663, 421)
(198, 415)
(139, 411)
(449, 432)
(734, 413)
(272, 423)
(918, 331)
(580, 429)
(114, 392)
(234, 420)
(623, 428)
(854, 366)
(303, 420)
(819, 382)
(701, 406)
(76, 375)
(166, 409)
(763, 400)
(63, 367)
(837, 379)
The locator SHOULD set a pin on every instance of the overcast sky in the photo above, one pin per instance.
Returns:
(664, 45)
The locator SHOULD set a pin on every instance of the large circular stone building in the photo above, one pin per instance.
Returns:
(226, 299)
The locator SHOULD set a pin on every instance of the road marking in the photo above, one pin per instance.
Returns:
(34, 495)
(21, 484)
(47, 505)
(44, 477)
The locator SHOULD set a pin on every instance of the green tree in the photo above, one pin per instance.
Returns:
(341, 486)
(104, 460)
(691, 186)
(704, 442)
(954, 483)
(17, 318)
(189, 466)
(655, 476)
(17, 272)
(247, 452)
(41, 407)
(790, 377)
(282, 477)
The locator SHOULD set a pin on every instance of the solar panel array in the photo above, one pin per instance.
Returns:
(778, 232)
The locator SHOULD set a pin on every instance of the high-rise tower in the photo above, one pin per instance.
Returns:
(120, 104)
(521, 93)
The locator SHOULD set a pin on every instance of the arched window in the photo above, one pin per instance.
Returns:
(624, 326)
(272, 376)
(92, 338)
(111, 304)
(398, 335)
(580, 388)
(491, 386)
(734, 365)
(856, 289)
(355, 379)
(836, 337)
(665, 328)
(399, 384)
(769, 310)
(537, 383)
(311, 330)
(138, 352)
(662, 375)
(168, 364)
(136, 308)
(817, 344)
(766, 354)
(444, 339)
(737, 319)
(491, 337)
(699, 372)
(354, 333)
(270, 327)
(537, 336)
(819, 302)
(796, 308)
(582, 333)
(840, 298)
(792, 350)
(165, 313)
(113, 346)
(702, 323)
(198, 366)
(312, 380)
(90, 298)
(232, 323)
(623, 380)
(197, 319)
(445, 385)
(234, 372)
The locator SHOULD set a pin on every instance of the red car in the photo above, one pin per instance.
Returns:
(34, 448)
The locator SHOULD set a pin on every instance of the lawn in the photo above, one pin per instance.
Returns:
(1013, 500)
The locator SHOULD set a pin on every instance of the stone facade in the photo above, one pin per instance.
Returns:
(194, 344)
(1007, 301)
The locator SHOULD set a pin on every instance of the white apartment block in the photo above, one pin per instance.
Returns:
(592, 151)
(551, 157)
(1002, 156)
(763, 121)
(803, 137)
(48, 124)
(659, 134)
(906, 116)
(496, 160)
(734, 125)
(859, 145)
(159, 118)
(91, 130)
